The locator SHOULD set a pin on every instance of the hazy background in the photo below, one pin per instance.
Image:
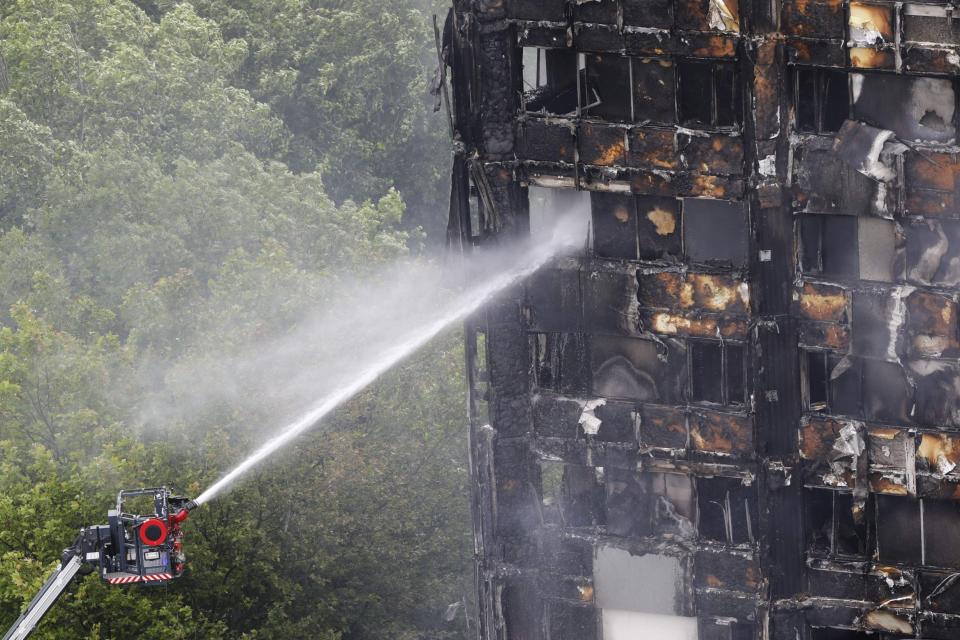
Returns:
(188, 193)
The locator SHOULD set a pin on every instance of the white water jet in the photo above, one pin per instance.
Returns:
(504, 267)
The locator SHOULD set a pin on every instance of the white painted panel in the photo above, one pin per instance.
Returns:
(632, 625)
(647, 583)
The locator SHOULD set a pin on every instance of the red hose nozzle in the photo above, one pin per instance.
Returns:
(182, 515)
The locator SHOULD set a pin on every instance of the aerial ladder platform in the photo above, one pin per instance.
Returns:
(129, 549)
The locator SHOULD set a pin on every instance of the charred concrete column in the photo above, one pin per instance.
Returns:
(777, 381)
(506, 479)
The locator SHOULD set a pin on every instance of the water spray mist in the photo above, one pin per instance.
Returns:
(496, 271)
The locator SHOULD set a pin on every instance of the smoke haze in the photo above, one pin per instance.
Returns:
(369, 326)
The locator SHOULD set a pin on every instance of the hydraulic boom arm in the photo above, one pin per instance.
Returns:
(48, 594)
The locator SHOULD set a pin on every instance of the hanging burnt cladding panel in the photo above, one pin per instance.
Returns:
(735, 413)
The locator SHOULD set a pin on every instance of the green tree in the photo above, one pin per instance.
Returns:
(349, 79)
(180, 180)
(30, 155)
(60, 449)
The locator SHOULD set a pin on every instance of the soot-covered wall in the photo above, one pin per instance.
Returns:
(735, 416)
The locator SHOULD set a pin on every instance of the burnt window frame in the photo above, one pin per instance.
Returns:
(585, 106)
(806, 379)
(820, 75)
(479, 220)
(839, 512)
(634, 501)
(830, 360)
(577, 492)
(633, 110)
(720, 69)
(641, 115)
(864, 397)
(725, 391)
(560, 361)
(543, 201)
(925, 531)
(808, 225)
(734, 532)
(833, 406)
(926, 504)
(671, 377)
(888, 46)
(655, 246)
(541, 62)
(716, 68)
(526, 92)
(822, 221)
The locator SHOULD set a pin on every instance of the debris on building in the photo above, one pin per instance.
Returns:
(736, 415)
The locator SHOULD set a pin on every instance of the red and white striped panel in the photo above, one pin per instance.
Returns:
(158, 576)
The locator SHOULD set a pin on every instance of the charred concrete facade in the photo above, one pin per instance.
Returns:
(735, 416)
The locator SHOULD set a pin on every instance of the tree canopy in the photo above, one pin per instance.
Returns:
(179, 178)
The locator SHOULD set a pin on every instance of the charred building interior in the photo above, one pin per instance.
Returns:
(736, 414)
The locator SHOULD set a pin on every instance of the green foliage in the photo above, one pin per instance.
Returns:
(29, 156)
(95, 71)
(335, 87)
(125, 217)
(183, 179)
(349, 80)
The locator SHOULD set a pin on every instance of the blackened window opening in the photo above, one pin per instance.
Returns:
(899, 530)
(478, 217)
(832, 383)
(831, 526)
(708, 94)
(829, 247)
(818, 380)
(558, 362)
(609, 76)
(822, 98)
(534, 69)
(717, 372)
(918, 532)
(726, 510)
(550, 80)
(850, 533)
